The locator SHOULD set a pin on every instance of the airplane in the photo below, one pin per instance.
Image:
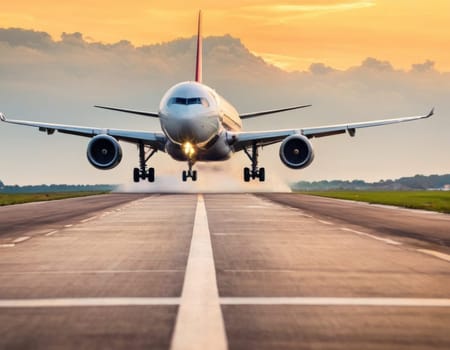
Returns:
(199, 125)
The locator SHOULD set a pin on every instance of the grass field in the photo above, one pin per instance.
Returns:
(9, 199)
(427, 200)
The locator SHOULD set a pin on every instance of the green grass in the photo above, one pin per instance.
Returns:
(428, 200)
(9, 199)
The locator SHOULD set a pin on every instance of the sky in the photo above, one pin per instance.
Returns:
(290, 34)
(353, 60)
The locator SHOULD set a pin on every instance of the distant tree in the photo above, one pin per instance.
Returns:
(417, 182)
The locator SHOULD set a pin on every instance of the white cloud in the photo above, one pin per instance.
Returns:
(325, 7)
(286, 13)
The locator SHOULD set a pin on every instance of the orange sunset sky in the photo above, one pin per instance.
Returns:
(289, 34)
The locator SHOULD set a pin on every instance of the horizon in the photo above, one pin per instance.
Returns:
(293, 183)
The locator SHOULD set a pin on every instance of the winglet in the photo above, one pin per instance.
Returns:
(430, 114)
(198, 67)
(2, 117)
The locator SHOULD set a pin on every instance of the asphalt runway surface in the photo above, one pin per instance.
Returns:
(222, 271)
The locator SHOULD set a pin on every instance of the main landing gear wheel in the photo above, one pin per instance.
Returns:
(139, 175)
(136, 174)
(151, 175)
(260, 174)
(142, 173)
(254, 172)
(246, 174)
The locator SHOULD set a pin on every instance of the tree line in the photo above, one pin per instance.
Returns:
(418, 182)
(55, 188)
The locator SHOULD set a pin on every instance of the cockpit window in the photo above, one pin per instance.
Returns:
(188, 101)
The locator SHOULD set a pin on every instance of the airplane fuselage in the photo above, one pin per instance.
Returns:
(195, 120)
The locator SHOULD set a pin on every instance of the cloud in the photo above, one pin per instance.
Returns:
(75, 39)
(377, 65)
(285, 13)
(327, 6)
(320, 68)
(426, 66)
(27, 38)
(312, 7)
(59, 81)
(286, 62)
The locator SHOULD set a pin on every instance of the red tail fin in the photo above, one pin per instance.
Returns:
(198, 68)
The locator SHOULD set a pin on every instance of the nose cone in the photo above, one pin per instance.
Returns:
(194, 129)
(189, 113)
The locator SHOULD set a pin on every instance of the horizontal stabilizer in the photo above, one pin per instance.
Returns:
(273, 111)
(147, 114)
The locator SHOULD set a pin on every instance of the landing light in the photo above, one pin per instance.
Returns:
(188, 149)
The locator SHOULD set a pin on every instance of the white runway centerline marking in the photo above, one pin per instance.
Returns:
(313, 301)
(199, 322)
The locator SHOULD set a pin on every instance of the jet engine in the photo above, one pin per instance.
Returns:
(104, 152)
(296, 152)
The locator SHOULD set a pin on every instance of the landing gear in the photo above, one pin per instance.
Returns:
(190, 173)
(142, 172)
(254, 172)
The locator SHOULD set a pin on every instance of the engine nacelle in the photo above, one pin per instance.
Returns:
(104, 152)
(296, 152)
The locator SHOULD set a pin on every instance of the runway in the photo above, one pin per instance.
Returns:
(223, 271)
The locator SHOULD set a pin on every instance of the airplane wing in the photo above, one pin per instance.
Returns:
(272, 111)
(154, 139)
(264, 138)
(132, 111)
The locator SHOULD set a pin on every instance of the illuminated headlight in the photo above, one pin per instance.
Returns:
(188, 149)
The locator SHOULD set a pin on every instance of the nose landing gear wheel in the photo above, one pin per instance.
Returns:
(189, 174)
